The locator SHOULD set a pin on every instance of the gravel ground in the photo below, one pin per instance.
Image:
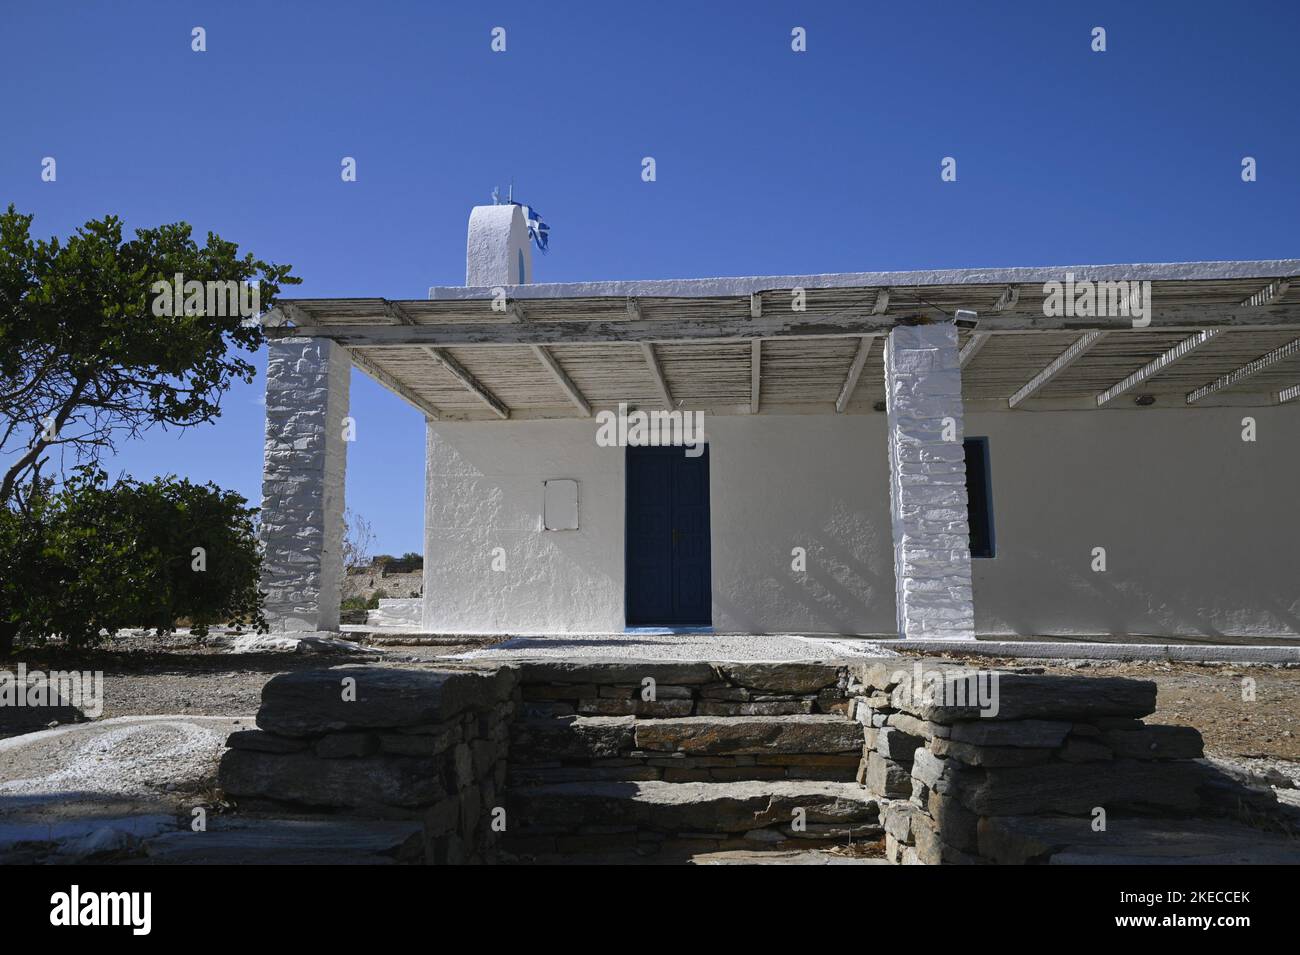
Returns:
(720, 647)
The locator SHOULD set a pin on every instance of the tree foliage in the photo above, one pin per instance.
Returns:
(94, 556)
(84, 359)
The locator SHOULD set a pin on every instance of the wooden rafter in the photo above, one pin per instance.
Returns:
(562, 379)
(395, 386)
(459, 372)
(855, 372)
(1157, 365)
(1080, 347)
(1007, 300)
(1270, 293)
(1249, 370)
(972, 347)
(657, 373)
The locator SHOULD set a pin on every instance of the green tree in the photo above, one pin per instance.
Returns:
(94, 556)
(88, 356)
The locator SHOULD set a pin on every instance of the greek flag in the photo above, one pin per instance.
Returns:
(538, 230)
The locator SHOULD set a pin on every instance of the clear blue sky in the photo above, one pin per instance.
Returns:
(768, 161)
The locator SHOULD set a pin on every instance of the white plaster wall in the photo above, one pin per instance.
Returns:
(484, 491)
(1199, 528)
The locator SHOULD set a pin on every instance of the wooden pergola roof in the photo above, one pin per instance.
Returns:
(1219, 333)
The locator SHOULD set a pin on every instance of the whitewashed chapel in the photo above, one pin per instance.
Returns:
(1031, 451)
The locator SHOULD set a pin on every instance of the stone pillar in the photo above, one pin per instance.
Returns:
(927, 483)
(307, 384)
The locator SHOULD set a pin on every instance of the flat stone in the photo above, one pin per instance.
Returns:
(954, 823)
(372, 783)
(897, 745)
(1079, 787)
(345, 745)
(1078, 750)
(1019, 696)
(897, 819)
(1030, 733)
(782, 677)
(1060, 840)
(572, 737)
(752, 708)
(887, 778)
(1156, 742)
(913, 727)
(932, 848)
(265, 742)
(709, 735)
(604, 706)
(311, 702)
(615, 671)
(239, 840)
(691, 807)
(989, 755)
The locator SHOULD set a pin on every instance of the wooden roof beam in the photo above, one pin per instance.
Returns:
(1007, 300)
(657, 373)
(1270, 293)
(396, 314)
(562, 379)
(972, 347)
(855, 372)
(395, 386)
(1080, 347)
(459, 372)
(1245, 372)
(1157, 365)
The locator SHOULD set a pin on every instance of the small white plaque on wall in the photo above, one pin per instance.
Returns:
(560, 505)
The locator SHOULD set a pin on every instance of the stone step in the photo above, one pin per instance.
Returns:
(1132, 840)
(655, 816)
(608, 737)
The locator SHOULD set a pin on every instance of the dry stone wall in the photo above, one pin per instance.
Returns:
(384, 743)
(983, 766)
(943, 764)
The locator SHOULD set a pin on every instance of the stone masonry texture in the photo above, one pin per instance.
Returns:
(307, 383)
(927, 483)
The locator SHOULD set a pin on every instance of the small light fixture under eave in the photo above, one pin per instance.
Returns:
(966, 318)
(1144, 401)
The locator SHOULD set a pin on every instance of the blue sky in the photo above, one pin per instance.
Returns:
(768, 161)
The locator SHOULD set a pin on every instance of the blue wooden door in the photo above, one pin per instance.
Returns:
(669, 580)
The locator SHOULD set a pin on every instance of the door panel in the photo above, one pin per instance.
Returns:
(668, 566)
